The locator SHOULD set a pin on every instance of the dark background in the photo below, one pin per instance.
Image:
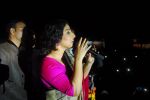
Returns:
(116, 24)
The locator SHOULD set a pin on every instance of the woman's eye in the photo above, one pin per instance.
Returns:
(68, 32)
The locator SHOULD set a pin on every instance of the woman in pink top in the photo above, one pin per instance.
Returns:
(59, 37)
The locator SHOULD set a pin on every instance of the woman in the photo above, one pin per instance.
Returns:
(57, 39)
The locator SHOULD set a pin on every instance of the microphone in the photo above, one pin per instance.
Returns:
(98, 57)
(97, 44)
(96, 54)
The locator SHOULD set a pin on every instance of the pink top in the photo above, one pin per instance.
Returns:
(53, 74)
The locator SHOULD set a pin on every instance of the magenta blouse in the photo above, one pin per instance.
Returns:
(53, 74)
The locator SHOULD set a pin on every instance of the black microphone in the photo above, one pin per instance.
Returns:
(97, 44)
(96, 54)
(98, 57)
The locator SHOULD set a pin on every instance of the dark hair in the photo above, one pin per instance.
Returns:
(52, 35)
(12, 24)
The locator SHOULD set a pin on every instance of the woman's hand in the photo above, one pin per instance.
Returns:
(82, 49)
(88, 64)
(80, 53)
(89, 58)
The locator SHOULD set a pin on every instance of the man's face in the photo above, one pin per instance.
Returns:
(19, 30)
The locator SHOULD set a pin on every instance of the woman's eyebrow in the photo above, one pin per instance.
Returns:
(67, 29)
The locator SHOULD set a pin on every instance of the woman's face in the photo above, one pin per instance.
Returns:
(67, 38)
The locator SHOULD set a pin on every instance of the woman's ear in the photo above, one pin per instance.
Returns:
(57, 45)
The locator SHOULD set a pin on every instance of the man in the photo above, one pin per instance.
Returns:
(13, 88)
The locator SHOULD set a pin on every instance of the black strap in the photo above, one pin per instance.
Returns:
(4, 88)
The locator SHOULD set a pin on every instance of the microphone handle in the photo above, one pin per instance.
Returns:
(97, 54)
(94, 53)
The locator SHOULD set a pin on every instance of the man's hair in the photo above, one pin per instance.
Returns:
(12, 24)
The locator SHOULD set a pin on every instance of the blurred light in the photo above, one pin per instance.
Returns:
(124, 59)
(104, 92)
(145, 89)
(128, 69)
(105, 56)
(117, 70)
(135, 56)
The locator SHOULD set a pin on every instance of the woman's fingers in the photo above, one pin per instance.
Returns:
(84, 43)
(88, 48)
(80, 42)
(83, 47)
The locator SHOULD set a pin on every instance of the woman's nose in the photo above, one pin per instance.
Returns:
(74, 35)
